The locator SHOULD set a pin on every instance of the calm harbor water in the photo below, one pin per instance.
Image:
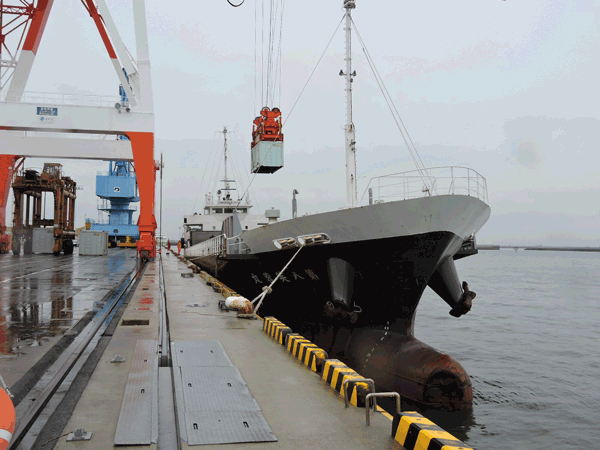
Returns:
(531, 345)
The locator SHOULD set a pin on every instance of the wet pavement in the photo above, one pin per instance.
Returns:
(43, 296)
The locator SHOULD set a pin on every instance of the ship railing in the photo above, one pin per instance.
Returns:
(434, 181)
(236, 246)
(213, 246)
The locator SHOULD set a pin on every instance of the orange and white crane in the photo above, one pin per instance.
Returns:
(33, 125)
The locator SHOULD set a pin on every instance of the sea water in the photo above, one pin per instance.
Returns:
(531, 345)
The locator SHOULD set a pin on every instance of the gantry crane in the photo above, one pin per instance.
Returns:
(28, 187)
(7, 168)
(31, 126)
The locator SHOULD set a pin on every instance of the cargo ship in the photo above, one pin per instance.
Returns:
(350, 280)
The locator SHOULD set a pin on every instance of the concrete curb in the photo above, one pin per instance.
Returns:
(334, 372)
(413, 431)
(312, 356)
(277, 330)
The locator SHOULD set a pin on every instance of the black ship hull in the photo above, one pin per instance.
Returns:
(356, 295)
(357, 301)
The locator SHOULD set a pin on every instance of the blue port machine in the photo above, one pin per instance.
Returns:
(117, 189)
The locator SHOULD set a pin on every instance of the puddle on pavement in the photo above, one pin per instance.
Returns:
(24, 325)
(36, 306)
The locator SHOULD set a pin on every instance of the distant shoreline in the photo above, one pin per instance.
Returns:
(552, 249)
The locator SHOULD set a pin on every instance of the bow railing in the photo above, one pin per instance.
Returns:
(448, 180)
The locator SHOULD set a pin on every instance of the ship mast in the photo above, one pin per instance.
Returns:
(351, 190)
(226, 180)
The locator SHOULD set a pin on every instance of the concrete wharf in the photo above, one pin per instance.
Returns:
(160, 396)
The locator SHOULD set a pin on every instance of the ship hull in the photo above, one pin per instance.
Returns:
(357, 296)
(389, 276)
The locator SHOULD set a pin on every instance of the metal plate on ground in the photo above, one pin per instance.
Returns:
(214, 404)
(199, 354)
(216, 389)
(138, 421)
(222, 427)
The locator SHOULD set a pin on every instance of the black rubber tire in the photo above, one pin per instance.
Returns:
(68, 247)
(16, 247)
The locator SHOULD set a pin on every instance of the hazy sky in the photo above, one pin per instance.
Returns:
(506, 88)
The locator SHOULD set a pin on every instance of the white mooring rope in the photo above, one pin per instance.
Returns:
(268, 289)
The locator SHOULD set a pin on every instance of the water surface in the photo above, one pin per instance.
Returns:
(531, 345)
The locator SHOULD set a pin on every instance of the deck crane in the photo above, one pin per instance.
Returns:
(31, 126)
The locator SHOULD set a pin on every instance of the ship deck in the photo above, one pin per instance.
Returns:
(300, 409)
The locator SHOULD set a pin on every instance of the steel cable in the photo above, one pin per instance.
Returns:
(399, 123)
(314, 70)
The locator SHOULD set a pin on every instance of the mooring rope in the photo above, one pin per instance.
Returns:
(269, 289)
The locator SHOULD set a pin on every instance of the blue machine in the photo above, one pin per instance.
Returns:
(118, 189)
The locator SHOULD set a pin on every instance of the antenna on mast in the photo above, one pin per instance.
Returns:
(351, 191)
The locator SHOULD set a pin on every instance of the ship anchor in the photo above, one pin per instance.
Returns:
(465, 303)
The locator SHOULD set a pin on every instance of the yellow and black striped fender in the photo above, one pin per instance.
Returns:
(415, 432)
(277, 330)
(357, 390)
(311, 356)
(335, 372)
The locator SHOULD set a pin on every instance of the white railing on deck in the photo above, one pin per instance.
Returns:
(450, 180)
(213, 246)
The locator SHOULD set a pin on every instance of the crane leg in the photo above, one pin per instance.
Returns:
(142, 145)
(7, 165)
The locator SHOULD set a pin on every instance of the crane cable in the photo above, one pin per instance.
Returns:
(274, 66)
(314, 70)
(270, 50)
(235, 6)
(296, 102)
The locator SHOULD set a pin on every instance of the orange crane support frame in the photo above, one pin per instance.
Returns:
(7, 167)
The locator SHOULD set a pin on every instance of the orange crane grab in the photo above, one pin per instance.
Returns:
(267, 141)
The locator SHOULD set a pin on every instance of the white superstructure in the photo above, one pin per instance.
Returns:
(199, 227)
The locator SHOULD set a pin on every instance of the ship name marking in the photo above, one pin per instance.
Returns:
(256, 279)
